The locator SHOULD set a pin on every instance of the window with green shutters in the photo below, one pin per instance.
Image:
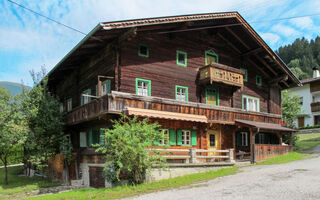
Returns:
(243, 139)
(85, 99)
(181, 58)
(186, 138)
(172, 137)
(94, 137)
(168, 138)
(164, 137)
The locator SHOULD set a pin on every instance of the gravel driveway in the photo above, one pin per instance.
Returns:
(295, 180)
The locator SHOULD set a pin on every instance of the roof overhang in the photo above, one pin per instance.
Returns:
(165, 115)
(263, 125)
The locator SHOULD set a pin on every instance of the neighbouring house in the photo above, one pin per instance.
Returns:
(309, 94)
(209, 80)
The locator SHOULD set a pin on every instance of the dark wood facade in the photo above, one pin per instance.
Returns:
(246, 66)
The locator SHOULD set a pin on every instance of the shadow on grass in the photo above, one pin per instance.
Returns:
(18, 183)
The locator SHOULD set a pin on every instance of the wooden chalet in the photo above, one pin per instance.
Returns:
(210, 81)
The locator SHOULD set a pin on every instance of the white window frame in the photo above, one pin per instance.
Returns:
(69, 104)
(104, 87)
(143, 89)
(250, 103)
(244, 138)
(164, 137)
(185, 135)
(181, 93)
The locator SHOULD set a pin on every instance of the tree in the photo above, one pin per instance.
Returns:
(45, 122)
(126, 149)
(12, 127)
(290, 107)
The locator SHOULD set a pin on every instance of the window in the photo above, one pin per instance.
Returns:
(143, 87)
(61, 107)
(181, 93)
(165, 137)
(250, 103)
(301, 100)
(261, 138)
(186, 137)
(245, 78)
(69, 104)
(181, 58)
(143, 50)
(83, 139)
(244, 138)
(94, 136)
(85, 99)
(210, 57)
(212, 95)
(106, 87)
(212, 140)
(258, 80)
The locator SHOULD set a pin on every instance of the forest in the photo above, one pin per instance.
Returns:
(301, 56)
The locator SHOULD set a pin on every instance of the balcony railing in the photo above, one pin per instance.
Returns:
(118, 102)
(315, 106)
(221, 73)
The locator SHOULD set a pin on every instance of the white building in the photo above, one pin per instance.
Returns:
(309, 94)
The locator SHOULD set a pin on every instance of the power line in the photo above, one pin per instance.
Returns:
(48, 18)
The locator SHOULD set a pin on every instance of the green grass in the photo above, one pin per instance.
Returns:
(128, 191)
(20, 186)
(292, 156)
(307, 141)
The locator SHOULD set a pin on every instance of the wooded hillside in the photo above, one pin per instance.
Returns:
(301, 56)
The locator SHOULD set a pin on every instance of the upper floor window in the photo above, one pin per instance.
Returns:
(210, 57)
(106, 87)
(143, 87)
(69, 104)
(143, 50)
(212, 95)
(259, 80)
(245, 77)
(84, 98)
(250, 103)
(181, 58)
(181, 93)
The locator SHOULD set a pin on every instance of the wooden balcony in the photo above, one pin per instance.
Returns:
(221, 73)
(315, 106)
(118, 102)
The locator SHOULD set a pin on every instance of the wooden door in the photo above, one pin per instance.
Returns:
(300, 121)
(213, 140)
(96, 177)
(212, 96)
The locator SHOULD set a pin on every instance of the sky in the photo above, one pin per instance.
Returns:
(28, 41)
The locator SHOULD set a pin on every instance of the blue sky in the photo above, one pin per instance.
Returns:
(28, 41)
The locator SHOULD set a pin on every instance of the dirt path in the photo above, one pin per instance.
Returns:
(296, 180)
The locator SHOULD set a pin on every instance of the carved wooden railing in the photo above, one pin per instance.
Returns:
(118, 102)
(221, 73)
(265, 151)
(315, 106)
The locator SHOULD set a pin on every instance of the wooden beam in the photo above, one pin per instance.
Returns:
(258, 67)
(252, 52)
(266, 65)
(279, 79)
(132, 32)
(229, 43)
(237, 37)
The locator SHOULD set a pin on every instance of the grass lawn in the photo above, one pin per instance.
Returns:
(293, 156)
(128, 191)
(20, 186)
(307, 141)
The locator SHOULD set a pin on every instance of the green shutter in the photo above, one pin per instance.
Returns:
(179, 137)
(89, 93)
(108, 86)
(156, 142)
(96, 90)
(90, 138)
(172, 136)
(95, 136)
(238, 138)
(194, 138)
(101, 137)
(81, 99)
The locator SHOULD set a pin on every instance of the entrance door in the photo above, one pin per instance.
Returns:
(212, 96)
(96, 177)
(213, 143)
(300, 121)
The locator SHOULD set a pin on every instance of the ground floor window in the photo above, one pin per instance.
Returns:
(317, 120)
(186, 136)
(242, 139)
(212, 140)
(164, 137)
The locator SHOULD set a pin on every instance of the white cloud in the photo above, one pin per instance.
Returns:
(303, 23)
(285, 30)
(270, 38)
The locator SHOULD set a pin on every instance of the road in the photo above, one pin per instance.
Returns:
(295, 180)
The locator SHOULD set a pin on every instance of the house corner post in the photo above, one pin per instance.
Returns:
(193, 158)
(231, 155)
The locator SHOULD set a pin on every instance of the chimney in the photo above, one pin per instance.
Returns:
(316, 73)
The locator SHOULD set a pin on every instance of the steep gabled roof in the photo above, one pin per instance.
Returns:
(234, 30)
